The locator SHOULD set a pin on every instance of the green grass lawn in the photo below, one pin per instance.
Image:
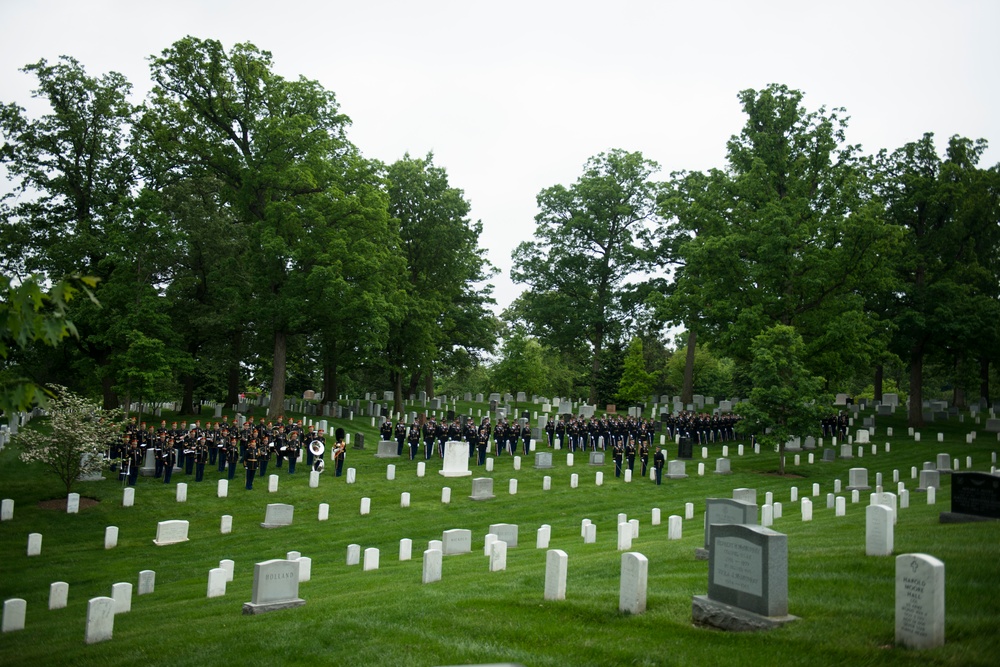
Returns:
(387, 617)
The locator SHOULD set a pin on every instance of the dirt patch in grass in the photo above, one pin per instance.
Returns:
(60, 503)
(767, 473)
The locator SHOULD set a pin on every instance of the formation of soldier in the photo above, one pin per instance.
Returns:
(223, 446)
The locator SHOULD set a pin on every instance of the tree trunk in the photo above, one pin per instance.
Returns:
(110, 397)
(916, 413)
(330, 382)
(879, 375)
(397, 393)
(233, 379)
(187, 403)
(277, 407)
(984, 381)
(429, 384)
(411, 388)
(687, 390)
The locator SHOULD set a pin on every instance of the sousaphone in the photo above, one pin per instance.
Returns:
(316, 448)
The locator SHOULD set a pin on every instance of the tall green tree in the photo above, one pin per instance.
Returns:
(788, 234)
(521, 366)
(273, 144)
(636, 383)
(947, 210)
(786, 399)
(594, 242)
(445, 302)
(75, 180)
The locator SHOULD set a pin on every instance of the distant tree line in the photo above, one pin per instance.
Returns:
(240, 242)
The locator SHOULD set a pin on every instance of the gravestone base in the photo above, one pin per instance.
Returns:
(701, 553)
(733, 619)
(251, 609)
(958, 517)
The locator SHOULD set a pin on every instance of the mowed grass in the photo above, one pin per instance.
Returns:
(388, 617)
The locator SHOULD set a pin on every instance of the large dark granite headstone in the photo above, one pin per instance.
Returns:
(974, 496)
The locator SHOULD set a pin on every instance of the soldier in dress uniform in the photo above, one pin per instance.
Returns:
(292, 453)
(232, 456)
(385, 429)
(550, 432)
(617, 451)
(658, 460)
(200, 458)
(526, 437)
(134, 461)
(413, 437)
(401, 434)
(428, 431)
(339, 450)
(630, 452)
(167, 459)
(250, 462)
(483, 442)
(264, 451)
(644, 455)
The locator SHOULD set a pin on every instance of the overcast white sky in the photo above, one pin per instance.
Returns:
(513, 97)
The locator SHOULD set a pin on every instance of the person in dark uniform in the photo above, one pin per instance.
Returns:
(232, 457)
(482, 444)
(200, 458)
(294, 447)
(401, 433)
(617, 452)
(264, 451)
(428, 430)
(250, 462)
(526, 437)
(658, 460)
(550, 432)
(134, 461)
(413, 437)
(340, 450)
(644, 455)
(167, 459)
(385, 430)
(630, 453)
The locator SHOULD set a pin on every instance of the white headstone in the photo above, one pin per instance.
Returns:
(277, 515)
(171, 532)
(498, 556)
(624, 537)
(353, 554)
(73, 503)
(121, 593)
(919, 601)
(147, 582)
(512, 487)
(688, 511)
(229, 566)
(371, 559)
(223, 490)
(352, 475)
(674, 527)
(634, 576)
(111, 537)
(574, 481)
(404, 499)
(58, 594)
(543, 536)
(807, 509)
(182, 492)
(556, 562)
(100, 620)
(590, 534)
(599, 478)
(13, 615)
(878, 531)
(34, 544)
(432, 566)
(456, 541)
(445, 497)
(216, 582)
(7, 509)
(366, 506)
